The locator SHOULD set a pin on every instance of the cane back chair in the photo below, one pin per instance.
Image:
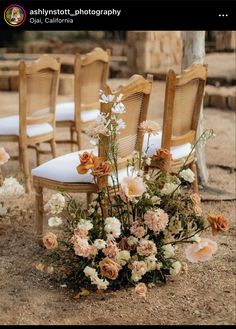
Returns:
(183, 99)
(91, 72)
(35, 124)
(60, 174)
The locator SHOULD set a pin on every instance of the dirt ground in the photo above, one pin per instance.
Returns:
(203, 295)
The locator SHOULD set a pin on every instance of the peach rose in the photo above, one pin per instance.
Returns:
(4, 156)
(102, 168)
(50, 241)
(86, 162)
(218, 223)
(201, 251)
(163, 154)
(141, 289)
(109, 269)
(132, 187)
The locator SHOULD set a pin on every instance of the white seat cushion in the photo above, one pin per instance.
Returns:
(10, 126)
(66, 112)
(63, 169)
(155, 143)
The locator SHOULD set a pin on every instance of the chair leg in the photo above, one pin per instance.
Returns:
(71, 139)
(26, 168)
(193, 167)
(37, 154)
(89, 199)
(53, 148)
(78, 140)
(39, 212)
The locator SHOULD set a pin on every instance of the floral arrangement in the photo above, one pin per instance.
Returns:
(131, 231)
(12, 195)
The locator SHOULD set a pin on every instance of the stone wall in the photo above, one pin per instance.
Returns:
(149, 50)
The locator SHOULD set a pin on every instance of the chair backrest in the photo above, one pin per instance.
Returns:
(91, 74)
(136, 93)
(38, 87)
(183, 100)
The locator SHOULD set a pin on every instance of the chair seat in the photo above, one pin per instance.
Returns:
(178, 152)
(63, 169)
(10, 126)
(66, 112)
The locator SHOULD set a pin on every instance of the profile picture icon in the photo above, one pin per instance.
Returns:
(14, 15)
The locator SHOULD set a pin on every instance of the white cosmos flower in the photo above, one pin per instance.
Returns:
(54, 221)
(120, 124)
(118, 108)
(187, 175)
(112, 226)
(106, 99)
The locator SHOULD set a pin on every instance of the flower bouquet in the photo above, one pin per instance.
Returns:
(12, 195)
(131, 231)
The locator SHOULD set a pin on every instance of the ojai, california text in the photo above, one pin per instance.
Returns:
(50, 20)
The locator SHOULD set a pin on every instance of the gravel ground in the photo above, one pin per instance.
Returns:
(203, 295)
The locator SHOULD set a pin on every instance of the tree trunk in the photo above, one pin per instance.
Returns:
(194, 52)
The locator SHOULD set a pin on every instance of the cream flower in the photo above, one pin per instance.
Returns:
(187, 175)
(112, 226)
(202, 251)
(151, 263)
(3, 210)
(175, 268)
(168, 250)
(132, 240)
(99, 243)
(123, 257)
(56, 204)
(11, 188)
(132, 187)
(85, 224)
(169, 188)
(156, 220)
(155, 200)
(150, 127)
(4, 156)
(54, 221)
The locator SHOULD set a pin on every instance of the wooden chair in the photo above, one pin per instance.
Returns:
(91, 73)
(183, 99)
(35, 124)
(61, 174)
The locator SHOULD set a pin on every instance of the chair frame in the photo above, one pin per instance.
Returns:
(25, 142)
(77, 126)
(195, 71)
(136, 84)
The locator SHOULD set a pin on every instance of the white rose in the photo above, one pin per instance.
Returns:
(54, 221)
(187, 175)
(169, 188)
(175, 268)
(90, 272)
(99, 243)
(169, 250)
(123, 257)
(101, 284)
